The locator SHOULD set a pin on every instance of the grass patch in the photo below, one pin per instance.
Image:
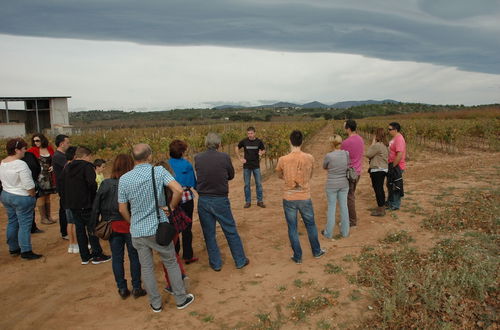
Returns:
(401, 236)
(477, 210)
(349, 258)
(355, 295)
(303, 307)
(282, 288)
(268, 322)
(333, 293)
(454, 285)
(332, 269)
(208, 318)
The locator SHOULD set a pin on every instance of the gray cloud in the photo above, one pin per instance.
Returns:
(457, 33)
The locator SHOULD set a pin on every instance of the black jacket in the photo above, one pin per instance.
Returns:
(395, 179)
(77, 185)
(33, 164)
(106, 202)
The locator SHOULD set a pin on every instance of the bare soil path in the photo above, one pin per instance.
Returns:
(57, 292)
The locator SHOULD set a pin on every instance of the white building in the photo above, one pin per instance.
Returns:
(46, 114)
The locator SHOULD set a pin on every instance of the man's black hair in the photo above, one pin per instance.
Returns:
(296, 138)
(60, 138)
(396, 126)
(351, 124)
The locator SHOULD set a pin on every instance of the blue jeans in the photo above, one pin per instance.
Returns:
(117, 243)
(20, 216)
(247, 174)
(306, 210)
(334, 195)
(393, 198)
(210, 210)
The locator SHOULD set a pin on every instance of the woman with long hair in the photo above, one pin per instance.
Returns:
(377, 154)
(18, 198)
(46, 183)
(106, 206)
(337, 187)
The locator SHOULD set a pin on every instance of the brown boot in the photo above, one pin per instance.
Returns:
(43, 215)
(379, 212)
(47, 212)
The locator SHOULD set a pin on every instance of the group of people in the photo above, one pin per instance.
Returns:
(129, 199)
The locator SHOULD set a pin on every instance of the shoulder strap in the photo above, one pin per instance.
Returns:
(157, 208)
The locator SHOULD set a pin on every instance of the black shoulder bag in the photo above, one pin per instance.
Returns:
(165, 231)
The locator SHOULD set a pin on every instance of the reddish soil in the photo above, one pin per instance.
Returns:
(57, 292)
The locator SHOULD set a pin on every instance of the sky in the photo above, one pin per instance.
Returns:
(164, 54)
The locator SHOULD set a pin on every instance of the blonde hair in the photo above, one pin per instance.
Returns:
(335, 141)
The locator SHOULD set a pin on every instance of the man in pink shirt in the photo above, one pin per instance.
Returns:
(397, 155)
(355, 146)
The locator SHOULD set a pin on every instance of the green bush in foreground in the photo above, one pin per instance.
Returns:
(453, 285)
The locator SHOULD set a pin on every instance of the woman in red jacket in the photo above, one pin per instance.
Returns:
(46, 184)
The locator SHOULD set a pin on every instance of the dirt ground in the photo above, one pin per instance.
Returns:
(57, 292)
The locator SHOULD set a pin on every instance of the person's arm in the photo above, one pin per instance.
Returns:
(279, 169)
(230, 168)
(325, 163)
(90, 179)
(237, 151)
(26, 179)
(123, 202)
(399, 156)
(262, 148)
(176, 189)
(371, 152)
(96, 209)
(123, 208)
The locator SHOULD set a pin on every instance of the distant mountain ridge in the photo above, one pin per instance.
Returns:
(310, 105)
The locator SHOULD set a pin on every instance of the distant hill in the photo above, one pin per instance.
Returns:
(314, 105)
(310, 105)
(349, 104)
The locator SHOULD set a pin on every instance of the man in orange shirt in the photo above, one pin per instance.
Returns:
(296, 169)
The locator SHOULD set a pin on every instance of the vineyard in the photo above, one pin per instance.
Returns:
(107, 144)
(446, 131)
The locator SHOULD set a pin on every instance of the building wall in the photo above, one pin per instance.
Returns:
(59, 112)
(16, 116)
(12, 130)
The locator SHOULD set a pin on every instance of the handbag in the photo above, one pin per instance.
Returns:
(351, 173)
(165, 231)
(179, 218)
(103, 230)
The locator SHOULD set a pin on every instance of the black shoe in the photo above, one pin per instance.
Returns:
(124, 293)
(29, 255)
(216, 269)
(187, 302)
(37, 231)
(261, 204)
(245, 264)
(99, 260)
(247, 205)
(297, 261)
(169, 290)
(15, 252)
(139, 293)
(320, 254)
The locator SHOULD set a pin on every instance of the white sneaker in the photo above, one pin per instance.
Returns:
(70, 248)
(76, 249)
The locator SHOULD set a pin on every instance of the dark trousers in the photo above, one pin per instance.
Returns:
(187, 235)
(63, 223)
(378, 186)
(351, 202)
(82, 221)
(117, 242)
(33, 223)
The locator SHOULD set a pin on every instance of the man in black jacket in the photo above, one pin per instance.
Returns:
(78, 186)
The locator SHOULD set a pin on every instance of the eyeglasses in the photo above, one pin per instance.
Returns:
(37, 140)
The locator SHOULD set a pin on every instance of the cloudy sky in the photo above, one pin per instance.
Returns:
(161, 54)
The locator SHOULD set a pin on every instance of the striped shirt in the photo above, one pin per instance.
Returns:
(136, 188)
